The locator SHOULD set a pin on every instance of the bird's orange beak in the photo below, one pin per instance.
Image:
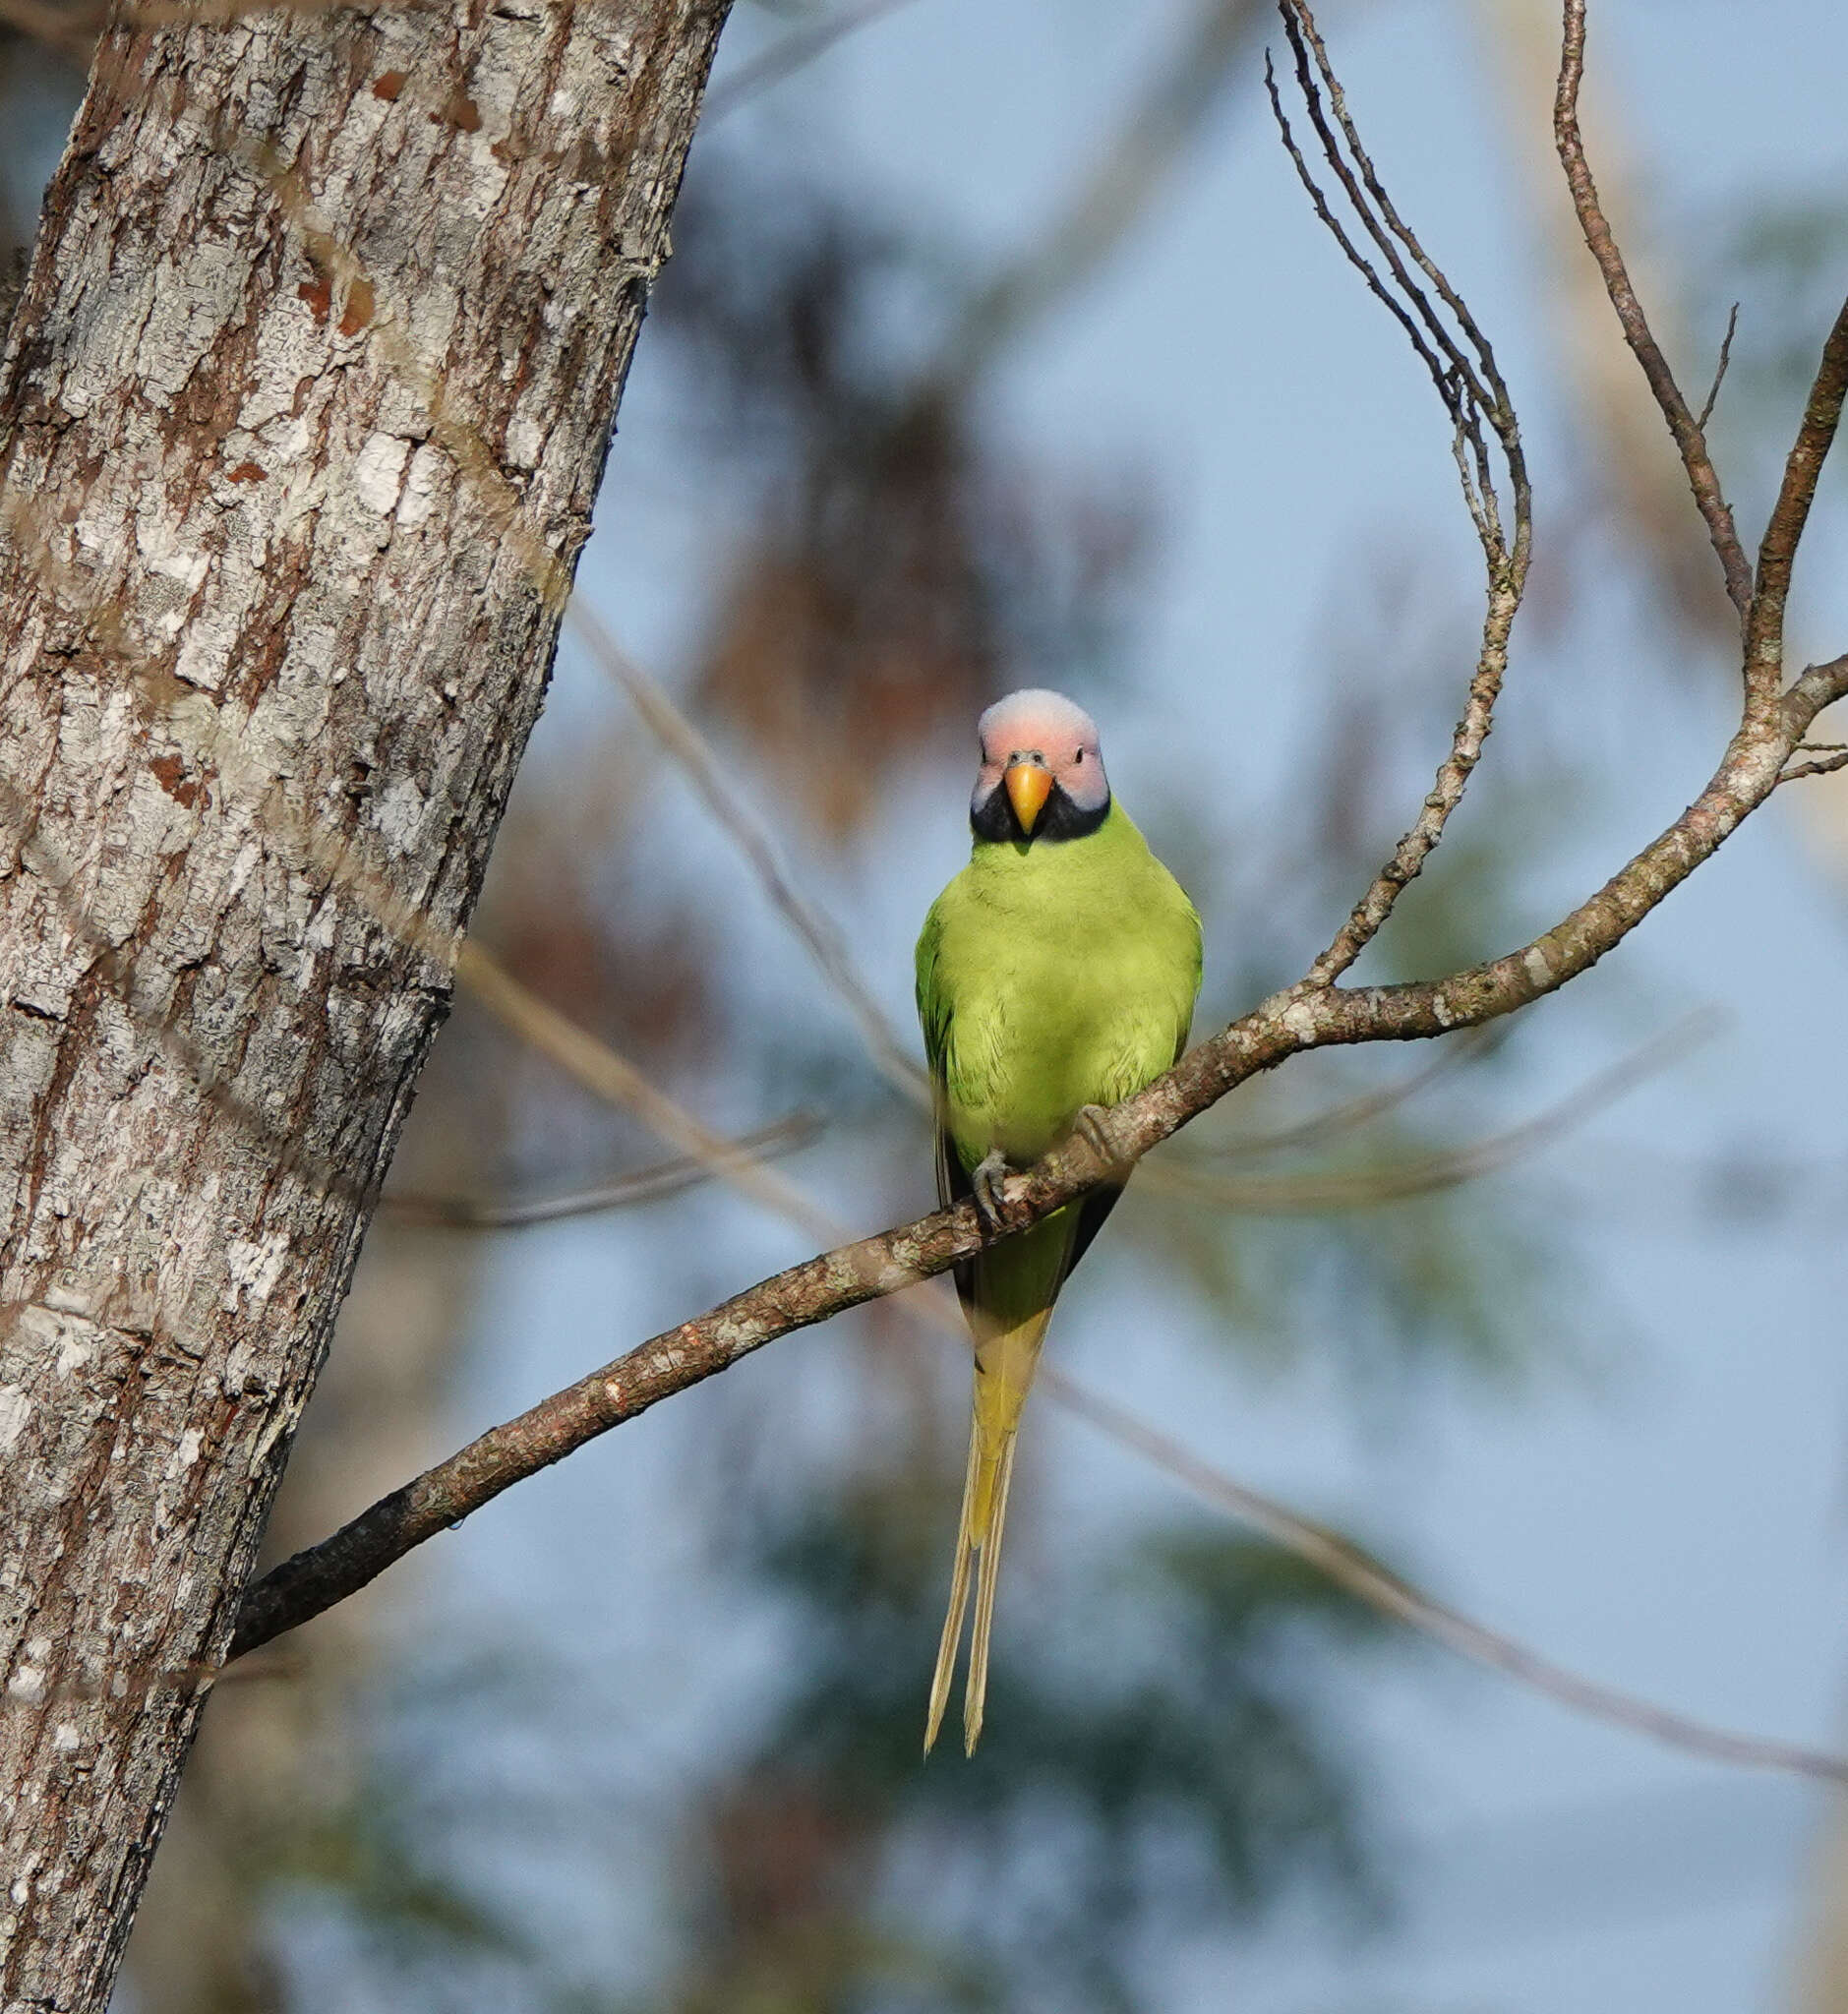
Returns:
(1029, 784)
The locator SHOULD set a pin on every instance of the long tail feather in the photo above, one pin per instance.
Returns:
(976, 1694)
(1004, 1368)
(959, 1599)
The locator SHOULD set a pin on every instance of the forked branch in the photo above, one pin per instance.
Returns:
(1450, 342)
(1278, 1027)
(1316, 1012)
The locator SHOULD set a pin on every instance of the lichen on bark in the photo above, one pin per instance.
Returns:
(270, 660)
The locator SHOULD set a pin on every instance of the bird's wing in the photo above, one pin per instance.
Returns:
(1184, 923)
(934, 1018)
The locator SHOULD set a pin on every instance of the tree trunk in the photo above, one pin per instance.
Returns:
(310, 387)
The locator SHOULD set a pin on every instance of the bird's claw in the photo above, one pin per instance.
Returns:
(1089, 1125)
(985, 1183)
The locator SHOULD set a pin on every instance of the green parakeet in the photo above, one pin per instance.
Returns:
(1056, 975)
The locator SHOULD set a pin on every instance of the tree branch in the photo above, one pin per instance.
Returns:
(1365, 1577)
(1431, 1173)
(638, 1185)
(1830, 760)
(1719, 369)
(444, 1496)
(1352, 1113)
(1777, 551)
(1689, 439)
(1313, 1014)
(1474, 393)
(1281, 1026)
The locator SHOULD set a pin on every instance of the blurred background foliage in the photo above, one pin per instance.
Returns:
(429, 1803)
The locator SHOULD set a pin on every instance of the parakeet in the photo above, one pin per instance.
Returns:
(1056, 975)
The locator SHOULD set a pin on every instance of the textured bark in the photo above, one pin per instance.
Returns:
(275, 636)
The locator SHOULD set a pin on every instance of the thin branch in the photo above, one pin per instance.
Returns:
(1391, 232)
(639, 1185)
(1281, 1026)
(1379, 1588)
(1370, 913)
(1720, 369)
(1689, 440)
(1301, 1018)
(1834, 759)
(700, 765)
(1470, 399)
(1367, 1188)
(443, 1497)
(790, 52)
(1128, 169)
(1777, 551)
(1354, 1112)
(1436, 366)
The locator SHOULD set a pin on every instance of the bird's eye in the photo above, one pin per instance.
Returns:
(1080, 756)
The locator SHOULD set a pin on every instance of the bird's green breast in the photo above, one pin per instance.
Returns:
(1051, 977)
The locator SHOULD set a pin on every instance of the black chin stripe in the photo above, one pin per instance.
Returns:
(994, 819)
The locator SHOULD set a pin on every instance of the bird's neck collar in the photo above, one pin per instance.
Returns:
(993, 823)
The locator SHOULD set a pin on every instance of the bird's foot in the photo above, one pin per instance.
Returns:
(984, 1181)
(1089, 1125)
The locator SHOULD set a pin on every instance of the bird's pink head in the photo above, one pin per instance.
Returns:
(1041, 774)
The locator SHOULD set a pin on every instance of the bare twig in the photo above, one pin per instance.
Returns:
(1379, 1588)
(1689, 438)
(703, 769)
(441, 1497)
(639, 1185)
(1388, 228)
(1303, 1017)
(789, 53)
(1834, 759)
(1130, 167)
(1469, 382)
(1436, 366)
(1354, 1112)
(1720, 369)
(852, 1273)
(1367, 1188)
